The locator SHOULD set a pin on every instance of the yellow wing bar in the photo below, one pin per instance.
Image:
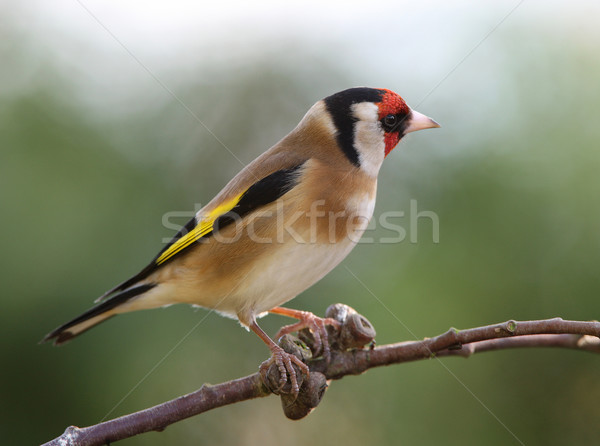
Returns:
(203, 227)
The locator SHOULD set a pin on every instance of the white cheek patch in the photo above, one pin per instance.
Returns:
(368, 137)
(365, 111)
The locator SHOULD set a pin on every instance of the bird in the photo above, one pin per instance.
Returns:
(279, 226)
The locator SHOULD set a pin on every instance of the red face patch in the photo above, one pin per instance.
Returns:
(391, 104)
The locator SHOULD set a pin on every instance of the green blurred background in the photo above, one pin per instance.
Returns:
(95, 152)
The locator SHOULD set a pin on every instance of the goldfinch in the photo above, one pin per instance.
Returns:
(280, 225)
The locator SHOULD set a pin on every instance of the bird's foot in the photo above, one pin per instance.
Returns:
(285, 365)
(318, 328)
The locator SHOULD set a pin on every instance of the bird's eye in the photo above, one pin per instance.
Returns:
(390, 121)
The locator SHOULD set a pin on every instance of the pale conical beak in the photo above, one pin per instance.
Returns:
(418, 121)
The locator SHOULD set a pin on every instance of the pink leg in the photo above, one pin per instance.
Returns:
(315, 324)
(281, 359)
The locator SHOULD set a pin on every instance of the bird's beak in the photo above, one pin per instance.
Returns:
(418, 121)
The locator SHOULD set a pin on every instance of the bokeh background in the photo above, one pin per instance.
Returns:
(100, 138)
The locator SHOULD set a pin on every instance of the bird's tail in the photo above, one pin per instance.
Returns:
(94, 315)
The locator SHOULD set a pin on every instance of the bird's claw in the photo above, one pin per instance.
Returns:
(285, 365)
(318, 328)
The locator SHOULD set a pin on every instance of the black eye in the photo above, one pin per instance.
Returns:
(389, 122)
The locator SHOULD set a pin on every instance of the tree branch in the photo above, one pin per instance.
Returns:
(348, 357)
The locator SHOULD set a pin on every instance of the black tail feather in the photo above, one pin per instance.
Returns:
(62, 333)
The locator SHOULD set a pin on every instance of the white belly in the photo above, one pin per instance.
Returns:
(291, 271)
